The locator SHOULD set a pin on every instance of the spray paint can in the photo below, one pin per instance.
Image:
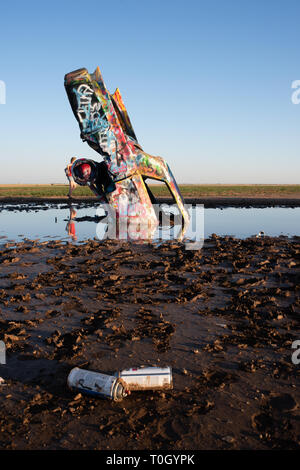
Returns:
(147, 378)
(97, 384)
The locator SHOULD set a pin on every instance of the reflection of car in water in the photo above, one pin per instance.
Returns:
(108, 226)
(70, 227)
(120, 180)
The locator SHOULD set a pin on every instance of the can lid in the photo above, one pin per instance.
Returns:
(120, 391)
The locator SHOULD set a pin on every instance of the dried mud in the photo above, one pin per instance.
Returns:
(224, 318)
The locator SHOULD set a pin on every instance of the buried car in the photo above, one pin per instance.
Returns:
(120, 179)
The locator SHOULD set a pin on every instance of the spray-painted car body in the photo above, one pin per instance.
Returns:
(105, 125)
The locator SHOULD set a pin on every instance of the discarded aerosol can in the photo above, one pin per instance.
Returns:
(97, 384)
(147, 378)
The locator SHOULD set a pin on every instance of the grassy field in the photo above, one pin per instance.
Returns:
(197, 190)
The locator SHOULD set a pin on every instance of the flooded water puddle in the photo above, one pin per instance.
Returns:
(80, 222)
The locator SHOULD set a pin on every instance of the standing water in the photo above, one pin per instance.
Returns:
(79, 222)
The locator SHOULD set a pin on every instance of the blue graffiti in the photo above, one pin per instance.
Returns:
(88, 114)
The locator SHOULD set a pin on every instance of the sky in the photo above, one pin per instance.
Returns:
(207, 85)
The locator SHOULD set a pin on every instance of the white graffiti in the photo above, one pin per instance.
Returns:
(89, 116)
(107, 142)
(89, 113)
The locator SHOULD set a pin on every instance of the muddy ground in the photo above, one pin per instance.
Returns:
(209, 201)
(223, 317)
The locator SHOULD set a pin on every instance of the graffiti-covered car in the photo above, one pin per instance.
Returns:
(105, 125)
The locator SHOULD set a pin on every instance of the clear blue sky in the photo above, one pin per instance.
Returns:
(207, 84)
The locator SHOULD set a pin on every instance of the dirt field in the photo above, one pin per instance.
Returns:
(224, 318)
(193, 191)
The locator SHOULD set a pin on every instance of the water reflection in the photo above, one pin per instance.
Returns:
(70, 227)
(131, 226)
(78, 222)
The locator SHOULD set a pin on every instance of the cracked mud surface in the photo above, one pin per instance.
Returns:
(224, 318)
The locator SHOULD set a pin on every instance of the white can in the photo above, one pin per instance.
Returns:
(97, 384)
(147, 378)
